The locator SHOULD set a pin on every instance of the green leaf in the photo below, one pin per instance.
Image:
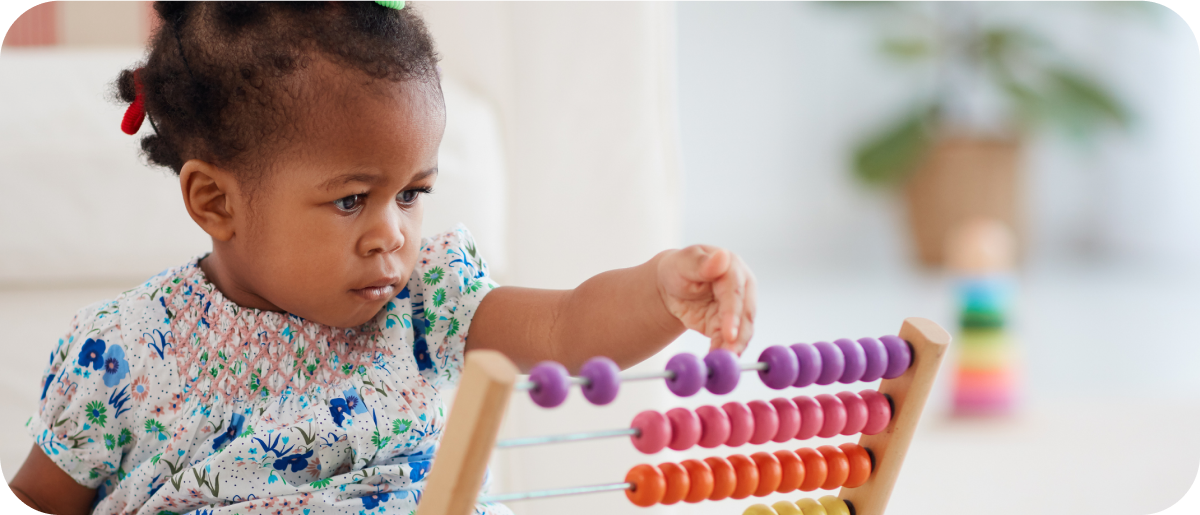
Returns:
(1088, 98)
(890, 156)
(906, 49)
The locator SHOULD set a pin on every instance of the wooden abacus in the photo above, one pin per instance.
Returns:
(865, 472)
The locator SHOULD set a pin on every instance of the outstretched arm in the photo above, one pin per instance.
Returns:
(627, 314)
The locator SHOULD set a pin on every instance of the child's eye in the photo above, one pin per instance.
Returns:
(349, 203)
(409, 197)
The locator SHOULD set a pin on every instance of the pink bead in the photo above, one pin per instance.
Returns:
(856, 412)
(766, 422)
(879, 412)
(812, 417)
(714, 426)
(655, 431)
(741, 423)
(685, 428)
(789, 419)
(835, 415)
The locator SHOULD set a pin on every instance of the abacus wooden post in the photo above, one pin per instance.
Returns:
(466, 447)
(908, 392)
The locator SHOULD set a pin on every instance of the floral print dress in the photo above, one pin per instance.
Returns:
(171, 399)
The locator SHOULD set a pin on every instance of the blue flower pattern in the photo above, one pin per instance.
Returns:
(236, 423)
(115, 366)
(92, 354)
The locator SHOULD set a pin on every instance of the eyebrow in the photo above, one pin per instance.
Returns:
(369, 178)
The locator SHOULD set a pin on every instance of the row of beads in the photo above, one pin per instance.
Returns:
(826, 505)
(757, 422)
(844, 361)
(760, 474)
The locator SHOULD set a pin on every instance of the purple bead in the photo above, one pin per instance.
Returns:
(809, 359)
(603, 383)
(552, 383)
(690, 374)
(833, 363)
(899, 356)
(782, 367)
(877, 358)
(723, 371)
(856, 360)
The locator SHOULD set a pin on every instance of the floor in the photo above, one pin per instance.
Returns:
(1110, 396)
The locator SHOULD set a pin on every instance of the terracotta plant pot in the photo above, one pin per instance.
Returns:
(963, 178)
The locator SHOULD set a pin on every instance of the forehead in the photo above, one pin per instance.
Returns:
(346, 121)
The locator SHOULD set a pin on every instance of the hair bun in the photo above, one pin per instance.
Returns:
(126, 87)
(171, 10)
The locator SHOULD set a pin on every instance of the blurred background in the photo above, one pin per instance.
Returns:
(1023, 174)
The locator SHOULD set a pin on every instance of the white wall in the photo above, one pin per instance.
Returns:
(773, 97)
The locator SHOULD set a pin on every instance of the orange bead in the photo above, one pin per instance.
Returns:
(815, 469)
(839, 466)
(747, 476)
(860, 464)
(678, 482)
(724, 478)
(792, 471)
(770, 473)
(700, 477)
(648, 485)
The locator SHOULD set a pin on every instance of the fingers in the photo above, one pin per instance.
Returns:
(749, 312)
(735, 293)
(729, 290)
(702, 263)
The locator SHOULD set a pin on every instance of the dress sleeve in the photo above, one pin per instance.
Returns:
(81, 421)
(448, 284)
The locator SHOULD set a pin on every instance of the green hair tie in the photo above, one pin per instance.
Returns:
(391, 4)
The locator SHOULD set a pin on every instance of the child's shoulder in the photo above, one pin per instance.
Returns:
(451, 259)
(109, 334)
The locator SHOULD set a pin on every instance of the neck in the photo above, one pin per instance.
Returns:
(220, 272)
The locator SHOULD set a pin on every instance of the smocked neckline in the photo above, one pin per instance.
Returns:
(215, 338)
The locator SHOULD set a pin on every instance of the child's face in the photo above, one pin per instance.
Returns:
(333, 230)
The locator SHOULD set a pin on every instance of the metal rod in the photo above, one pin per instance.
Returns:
(757, 365)
(539, 494)
(529, 385)
(642, 376)
(570, 437)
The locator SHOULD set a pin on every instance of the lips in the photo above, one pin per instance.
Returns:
(385, 281)
(377, 290)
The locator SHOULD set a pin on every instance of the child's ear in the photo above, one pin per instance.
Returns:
(208, 193)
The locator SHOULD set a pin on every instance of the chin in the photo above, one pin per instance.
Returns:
(366, 314)
(347, 318)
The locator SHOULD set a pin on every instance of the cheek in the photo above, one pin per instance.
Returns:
(412, 228)
(284, 245)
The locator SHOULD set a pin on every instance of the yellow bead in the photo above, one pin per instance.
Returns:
(787, 508)
(810, 507)
(834, 506)
(759, 509)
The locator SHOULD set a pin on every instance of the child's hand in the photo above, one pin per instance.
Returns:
(710, 290)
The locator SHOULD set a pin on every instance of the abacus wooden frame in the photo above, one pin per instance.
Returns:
(489, 377)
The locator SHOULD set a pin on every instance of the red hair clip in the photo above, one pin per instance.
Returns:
(136, 111)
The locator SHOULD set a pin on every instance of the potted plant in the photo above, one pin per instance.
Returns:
(956, 153)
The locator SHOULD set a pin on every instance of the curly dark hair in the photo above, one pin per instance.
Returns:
(217, 80)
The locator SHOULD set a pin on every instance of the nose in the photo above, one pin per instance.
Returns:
(384, 235)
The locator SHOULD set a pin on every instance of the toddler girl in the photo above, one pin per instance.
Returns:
(299, 367)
